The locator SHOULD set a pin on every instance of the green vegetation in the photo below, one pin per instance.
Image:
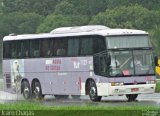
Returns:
(39, 16)
(38, 106)
(79, 110)
(158, 87)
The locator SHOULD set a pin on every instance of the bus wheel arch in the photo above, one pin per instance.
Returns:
(25, 89)
(87, 85)
(91, 90)
(36, 89)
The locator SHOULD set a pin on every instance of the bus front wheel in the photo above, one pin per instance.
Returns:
(37, 91)
(26, 91)
(131, 97)
(93, 91)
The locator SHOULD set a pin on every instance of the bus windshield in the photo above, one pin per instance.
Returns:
(131, 41)
(131, 62)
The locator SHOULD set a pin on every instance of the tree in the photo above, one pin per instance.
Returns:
(18, 22)
(54, 21)
(149, 4)
(66, 8)
(128, 17)
(80, 7)
(42, 7)
(155, 34)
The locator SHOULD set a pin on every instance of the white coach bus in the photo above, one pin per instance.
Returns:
(89, 60)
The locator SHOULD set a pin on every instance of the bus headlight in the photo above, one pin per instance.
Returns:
(151, 82)
(117, 84)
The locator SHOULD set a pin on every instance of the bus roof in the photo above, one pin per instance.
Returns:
(77, 31)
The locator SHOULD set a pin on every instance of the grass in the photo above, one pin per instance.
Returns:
(158, 86)
(38, 106)
(40, 110)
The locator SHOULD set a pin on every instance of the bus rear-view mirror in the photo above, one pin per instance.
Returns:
(156, 61)
(108, 60)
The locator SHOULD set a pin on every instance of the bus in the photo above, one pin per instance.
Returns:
(92, 60)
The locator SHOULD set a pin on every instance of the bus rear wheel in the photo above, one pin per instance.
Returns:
(132, 97)
(37, 91)
(26, 91)
(93, 91)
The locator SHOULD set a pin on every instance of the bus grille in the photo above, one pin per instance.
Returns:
(134, 83)
(8, 81)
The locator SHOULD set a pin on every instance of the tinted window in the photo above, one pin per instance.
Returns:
(6, 50)
(99, 44)
(34, 48)
(19, 50)
(86, 46)
(16, 49)
(73, 46)
(60, 47)
(46, 48)
(13, 50)
(25, 49)
(91, 45)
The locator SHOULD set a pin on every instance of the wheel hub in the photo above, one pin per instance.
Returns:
(93, 91)
(26, 91)
(37, 90)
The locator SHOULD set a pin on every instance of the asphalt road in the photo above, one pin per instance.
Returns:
(143, 99)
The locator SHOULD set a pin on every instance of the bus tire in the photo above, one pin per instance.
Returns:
(26, 91)
(37, 91)
(93, 92)
(132, 97)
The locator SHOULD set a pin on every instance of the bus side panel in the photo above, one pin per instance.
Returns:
(12, 74)
(60, 75)
(56, 75)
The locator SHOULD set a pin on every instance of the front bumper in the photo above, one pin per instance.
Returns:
(131, 89)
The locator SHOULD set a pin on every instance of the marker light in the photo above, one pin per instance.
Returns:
(117, 84)
(151, 82)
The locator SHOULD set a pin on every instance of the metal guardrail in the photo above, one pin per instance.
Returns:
(1, 84)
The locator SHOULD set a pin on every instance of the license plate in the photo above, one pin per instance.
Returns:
(134, 89)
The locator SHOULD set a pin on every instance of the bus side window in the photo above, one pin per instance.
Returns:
(44, 48)
(50, 47)
(13, 50)
(34, 48)
(7, 50)
(60, 47)
(86, 46)
(19, 46)
(73, 46)
(98, 44)
(25, 49)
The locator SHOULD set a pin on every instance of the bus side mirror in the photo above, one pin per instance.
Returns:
(108, 60)
(156, 61)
